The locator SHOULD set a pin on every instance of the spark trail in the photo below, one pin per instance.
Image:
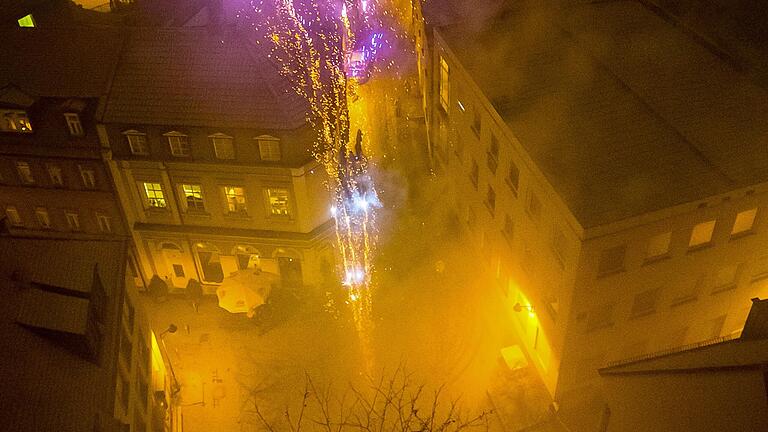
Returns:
(325, 48)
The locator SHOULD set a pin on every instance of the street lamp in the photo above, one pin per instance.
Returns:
(519, 308)
(171, 329)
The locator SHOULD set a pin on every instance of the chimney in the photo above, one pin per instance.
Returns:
(756, 326)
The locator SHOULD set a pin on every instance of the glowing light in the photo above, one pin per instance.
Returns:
(334, 211)
(361, 203)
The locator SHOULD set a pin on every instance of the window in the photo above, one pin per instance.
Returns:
(235, 197)
(701, 234)
(559, 246)
(727, 277)
(15, 121)
(178, 270)
(155, 195)
(509, 229)
(25, 172)
(27, 21)
(223, 146)
(269, 148)
(476, 122)
(688, 292)
(193, 197)
(73, 220)
(474, 174)
(13, 216)
(534, 206)
(513, 177)
(105, 223)
(600, 317)
(658, 246)
(88, 175)
(137, 142)
(760, 267)
(54, 172)
(74, 125)
(645, 303)
(490, 200)
(744, 222)
(493, 154)
(41, 213)
(443, 84)
(278, 202)
(179, 144)
(611, 260)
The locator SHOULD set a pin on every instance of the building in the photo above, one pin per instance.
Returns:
(611, 169)
(210, 149)
(718, 386)
(77, 352)
(53, 181)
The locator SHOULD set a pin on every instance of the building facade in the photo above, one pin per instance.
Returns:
(618, 195)
(210, 150)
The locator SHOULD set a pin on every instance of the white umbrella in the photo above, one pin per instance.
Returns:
(244, 290)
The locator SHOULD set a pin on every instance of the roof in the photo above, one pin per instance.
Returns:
(622, 112)
(40, 374)
(197, 77)
(59, 62)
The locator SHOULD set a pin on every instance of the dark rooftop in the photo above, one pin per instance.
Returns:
(59, 62)
(197, 77)
(623, 112)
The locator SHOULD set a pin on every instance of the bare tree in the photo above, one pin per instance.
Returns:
(391, 403)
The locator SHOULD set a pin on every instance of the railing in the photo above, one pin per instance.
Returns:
(674, 350)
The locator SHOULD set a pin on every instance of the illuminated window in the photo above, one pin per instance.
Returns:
(269, 148)
(235, 197)
(155, 195)
(27, 21)
(744, 222)
(193, 197)
(509, 229)
(645, 303)
(105, 223)
(278, 202)
(15, 121)
(179, 144)
(88, 175)
(223, 146)
(513, 177)
(611, 260)
(137, 142)
(12, 213)
(658, 246)
(73, 220)
(490, 200)
(493, 154)
(534, 206)
(74, 125)
(54, 172)
(41, 213)
(444, 86)
(701, 234)
(474, 174)
(25, 172)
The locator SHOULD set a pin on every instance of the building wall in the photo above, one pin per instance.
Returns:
(702, 400)
(179, 240)
(529, 239)
(75, 160)
(687, 295)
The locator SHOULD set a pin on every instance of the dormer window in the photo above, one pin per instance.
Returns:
(179, 143)
(269, 148)
(74, 125)
(137, 141)
(15, 121)
(223, 146)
